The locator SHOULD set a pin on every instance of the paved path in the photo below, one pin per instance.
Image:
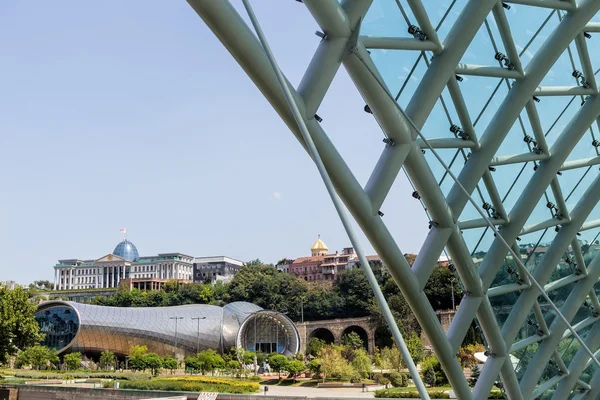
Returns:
(319, 392)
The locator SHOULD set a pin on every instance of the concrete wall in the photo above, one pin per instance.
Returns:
(75, 393)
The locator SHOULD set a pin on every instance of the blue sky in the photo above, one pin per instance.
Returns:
(131, 114)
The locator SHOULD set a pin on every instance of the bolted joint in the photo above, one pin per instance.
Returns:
(504, 60)
(536, 99)
(458, 78)
(587, 35)
(380, 213)
(319, 119)
(507, 6)
(417, 32)
(416, 195)
(322, 35)
(596, 143)
(457, 130)
(389, 141)
(368, 109)
(433, 224)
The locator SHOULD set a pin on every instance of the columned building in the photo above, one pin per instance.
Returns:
(123, 263)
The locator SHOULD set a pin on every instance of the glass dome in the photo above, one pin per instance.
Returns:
(127, 250)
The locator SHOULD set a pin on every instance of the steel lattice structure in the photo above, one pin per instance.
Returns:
(519, 131)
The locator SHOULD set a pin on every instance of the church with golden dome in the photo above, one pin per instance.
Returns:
(319, 248)
(325, 266)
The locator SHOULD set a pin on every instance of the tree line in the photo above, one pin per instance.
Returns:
(262, 284)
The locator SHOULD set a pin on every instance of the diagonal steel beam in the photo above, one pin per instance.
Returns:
(517, 98)
(548, 346)
(578, 365)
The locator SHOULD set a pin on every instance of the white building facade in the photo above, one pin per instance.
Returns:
(123, 263)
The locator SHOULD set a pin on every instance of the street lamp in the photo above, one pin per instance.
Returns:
(198, 319)
(176, 320)
(452, 280)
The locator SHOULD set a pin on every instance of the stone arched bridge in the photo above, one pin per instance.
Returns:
(333, 330)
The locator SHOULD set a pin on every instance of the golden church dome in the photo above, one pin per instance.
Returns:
(319, 248)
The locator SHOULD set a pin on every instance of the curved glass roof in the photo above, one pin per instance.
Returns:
(127, 250)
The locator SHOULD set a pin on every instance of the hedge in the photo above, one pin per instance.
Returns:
(394, 393)
(194, 384)
(80, 375)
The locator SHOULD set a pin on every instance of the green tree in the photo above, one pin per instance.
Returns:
(415, 348)
(38, 357)
(153, 362)
(314, 365)
(362, 363)
(263, 285)
(352, 340)
(278, 363)
(438, 289)
(430, 366)
(333, 365)
(137, 361)
(391, 358)
(210, 360)
(429, 377)
(72, 361)
(232, 365)
(314, 346)
(192, 364)
(107, 359)
(295, 367)
(18, 327)
(170, 363)
(44, 284)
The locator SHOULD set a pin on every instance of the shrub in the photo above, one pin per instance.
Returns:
(398, 379)
(81, 375)
(408, 394)
(194, 384)
(433, 375)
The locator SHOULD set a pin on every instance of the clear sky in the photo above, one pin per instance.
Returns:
(131, 114)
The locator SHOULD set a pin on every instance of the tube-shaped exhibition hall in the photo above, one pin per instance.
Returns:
(179, 331)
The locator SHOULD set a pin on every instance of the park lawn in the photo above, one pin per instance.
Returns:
(194, 384)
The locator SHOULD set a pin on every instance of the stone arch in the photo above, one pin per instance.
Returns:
(360, 331)
(324, 334)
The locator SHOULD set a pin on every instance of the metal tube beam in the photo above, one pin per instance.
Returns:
(395, 126)
(516, 99)
(585, 162)
(447, 143)
(299, 118)
(517, 159)
(397, 43)
(563, 91)
(427, 258)
(554, 4)
(569, 309)
(578, 365)
(486, 70)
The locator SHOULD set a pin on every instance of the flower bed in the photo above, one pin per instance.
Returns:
(194, 384)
